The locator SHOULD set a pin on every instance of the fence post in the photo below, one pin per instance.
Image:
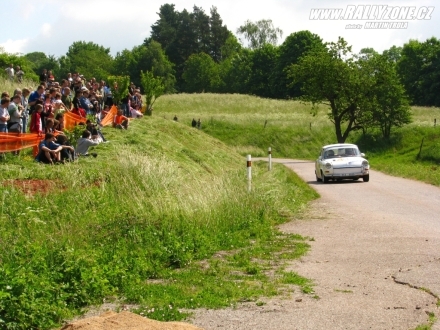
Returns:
(435, 122)
(249, 171)
(270, 158)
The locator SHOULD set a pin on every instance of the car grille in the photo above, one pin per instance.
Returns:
(352, 170)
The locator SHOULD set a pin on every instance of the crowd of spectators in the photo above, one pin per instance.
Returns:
(42, 111)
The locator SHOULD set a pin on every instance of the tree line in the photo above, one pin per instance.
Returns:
(195, 52)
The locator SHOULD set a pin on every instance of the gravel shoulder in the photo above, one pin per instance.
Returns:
(374, 260)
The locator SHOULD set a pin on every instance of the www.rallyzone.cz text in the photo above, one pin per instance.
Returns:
(366, 12)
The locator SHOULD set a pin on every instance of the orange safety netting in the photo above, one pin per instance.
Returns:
(108, 119)
(18, 141)
(72, 119)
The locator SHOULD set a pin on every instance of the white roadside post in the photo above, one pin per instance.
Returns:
(249, 171)
(270, 158)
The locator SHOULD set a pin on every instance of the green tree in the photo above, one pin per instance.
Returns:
(235, 72)
(260, 33)
(119, 87)
(419, 70)
(361, 92)
(153, 89)
(366, 53)
(387, 105)
(394, 53)
(296, 45)
(184, 33)
(200, 74)
(6, 59)
(164, 30)
(264, 60)
(220, 36)
(89, 59)
(146, 58)
(39, 61)
(332, 77)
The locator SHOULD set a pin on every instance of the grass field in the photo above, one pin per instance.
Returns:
(250, 125)
(162, 217)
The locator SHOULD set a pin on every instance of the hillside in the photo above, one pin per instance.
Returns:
(140, 224)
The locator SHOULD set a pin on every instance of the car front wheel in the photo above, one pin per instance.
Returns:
(366, 178)
(317, 178)
(324, 178)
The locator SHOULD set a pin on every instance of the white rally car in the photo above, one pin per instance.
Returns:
(341, 161)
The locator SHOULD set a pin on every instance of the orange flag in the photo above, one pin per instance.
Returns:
(72, 119)
(108, 119)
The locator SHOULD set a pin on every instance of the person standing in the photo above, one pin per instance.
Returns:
(15, 110)
(66, 97)
(10, 72)
(19, 74)
(4, 114)
(43, 76)
(25, 103)
(37, 95)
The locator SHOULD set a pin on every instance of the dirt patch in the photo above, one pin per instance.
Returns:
(32, 187)
(123, 321)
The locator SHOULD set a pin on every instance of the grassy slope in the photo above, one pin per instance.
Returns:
(291, 131)
(136, 222)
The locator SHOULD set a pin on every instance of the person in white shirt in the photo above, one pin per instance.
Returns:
(10, 72)
(4, 114)
(83, 144)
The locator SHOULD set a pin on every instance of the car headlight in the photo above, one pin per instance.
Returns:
(365, 163)
(328, 166)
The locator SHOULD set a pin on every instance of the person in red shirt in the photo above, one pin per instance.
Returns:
(80, 112)
(120, 121)
(36, 125)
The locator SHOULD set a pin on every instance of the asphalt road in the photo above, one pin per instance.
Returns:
(374, 259)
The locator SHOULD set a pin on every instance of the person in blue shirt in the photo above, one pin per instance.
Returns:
(85, 102)
(49, 151)
(35, 96)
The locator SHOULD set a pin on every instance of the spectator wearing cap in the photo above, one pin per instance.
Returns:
(77, 85)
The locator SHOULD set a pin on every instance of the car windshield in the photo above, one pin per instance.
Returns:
(341, 152)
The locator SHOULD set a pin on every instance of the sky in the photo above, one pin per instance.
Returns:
(51, 26)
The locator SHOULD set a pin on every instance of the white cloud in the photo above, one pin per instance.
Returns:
(46, 30)
(14, 46)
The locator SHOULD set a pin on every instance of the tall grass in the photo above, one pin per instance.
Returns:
(160, 198)
(9, 86)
